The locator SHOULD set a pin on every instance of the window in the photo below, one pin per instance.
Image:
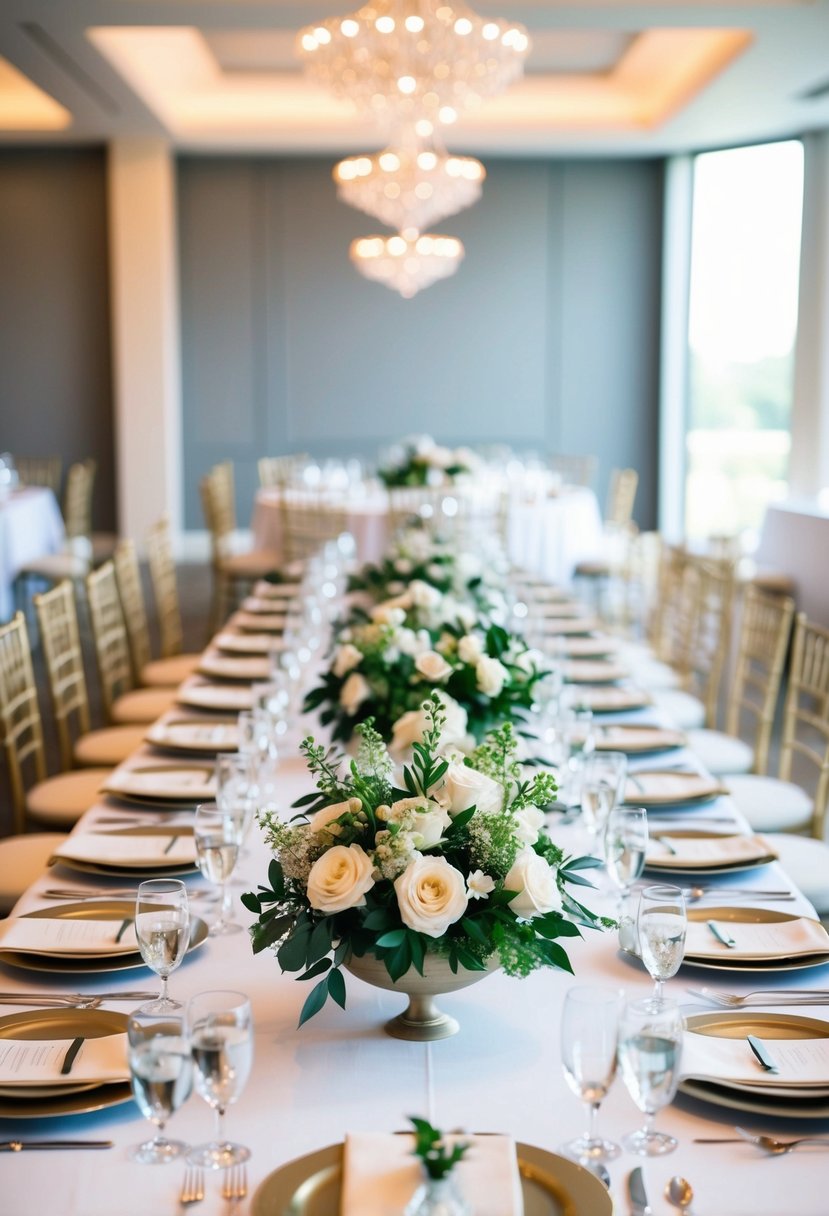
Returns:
(745, 255)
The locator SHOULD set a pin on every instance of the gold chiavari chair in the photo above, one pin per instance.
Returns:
(79, 745)
(278, 471)
(152, 673)
(619, 532)
(765, 630)
(165, 588)
(123, 702)
(574, 470)
(41, 471)
(83, 547)
(233, 573)
(54, 801)
(309, 518)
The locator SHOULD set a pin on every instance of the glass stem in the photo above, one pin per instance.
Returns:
(164, 997)
(647, 1130)
(220, 1124)
(592, 1111)
(225, 910)
(658, 991)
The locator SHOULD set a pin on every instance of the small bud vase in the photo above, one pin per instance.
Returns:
(438, 1197)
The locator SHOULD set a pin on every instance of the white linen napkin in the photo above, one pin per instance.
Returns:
(781, 939)
(65, 936)
(276, 591)
(380, 1175)
(232, 667)
(670, 786)
(221, 734)
(163, 782)
(204, 695)
(801, 1063)
(39, 1061)
(695, 852)
(119, 849)
(248, 643)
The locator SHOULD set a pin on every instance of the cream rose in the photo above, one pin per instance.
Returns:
(470, 648)
(430, 820)
(388, 614)
(431, 895)
(464, 787)
(423, 595)
(433, 666)
(346, 658)
(339, 879)
(529, 661)
(535, 882)
(328, 814)
(528, 823)
(352, 694)
(409, 727)
(491, 676)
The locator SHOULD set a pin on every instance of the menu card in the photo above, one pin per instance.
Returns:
(64, 935)
(39, 1061)
(801, 1063)
(117, 848)
(693, 852)
(779, 939)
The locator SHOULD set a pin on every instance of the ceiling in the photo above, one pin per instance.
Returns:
(603, 78)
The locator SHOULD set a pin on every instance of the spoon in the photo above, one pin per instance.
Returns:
(601, 1173)
(680, 1193)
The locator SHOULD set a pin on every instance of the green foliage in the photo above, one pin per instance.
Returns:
(438, 1160)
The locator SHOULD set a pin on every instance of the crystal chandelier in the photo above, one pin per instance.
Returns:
(406, 262)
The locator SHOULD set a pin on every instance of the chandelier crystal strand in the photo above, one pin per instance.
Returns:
(407, 262)
(414, 59)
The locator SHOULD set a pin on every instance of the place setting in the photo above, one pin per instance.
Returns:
(195, 735)
(238, 668)
(245, 642)
(638, 740)
(162, 784)
(121, 852)
(745, 939)
(697, 851)
(593, 671)
(663, 787)
(610, 698)
(225, 697)
(262, 621)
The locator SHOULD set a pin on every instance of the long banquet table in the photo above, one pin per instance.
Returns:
(341, 1073)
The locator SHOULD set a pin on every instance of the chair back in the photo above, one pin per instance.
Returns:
(621, 495)
(765, 630)
(218, 504)
(165, 587)
(57, 619)
(77, 501)
(574, 470)
(713, 606)
(278, 471)
(805, 740)
(109, 633)
(128, 578)
(21, 727)
(309, 519)
(40, 471)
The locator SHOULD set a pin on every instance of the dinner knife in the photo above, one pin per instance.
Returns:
(20, 1146)
(639, 1205)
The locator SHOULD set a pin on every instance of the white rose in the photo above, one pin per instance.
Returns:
(339, 879)
(433, 666)
(409, 727)
(403, 565)
(491, 676)
(529, 661)
(431, 895)
(440, 457)
(431, 822)
(423, 595)
(469, 566)
(466, 615)
(464, 787)
(407, 642)
(346, 658)
(528, 823)
(435, 572)
(328, 814)
(352, 694)
(388, 614)
(535, 882)
(470, 648)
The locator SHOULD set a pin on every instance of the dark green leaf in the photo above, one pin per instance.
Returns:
(314, 1001)
(316, 969)
(393, 938)
(336, 987)
(293, 953)
(251, 902)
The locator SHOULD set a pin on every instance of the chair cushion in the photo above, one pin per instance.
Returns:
(769, 804)
(685, 711)
(653, 674)
(256, 563)
(57, 566)
(169, 673)
(806, 861)
(720, 753)
(109, 746)
(22, 860)
(142, 705)
(60, 801)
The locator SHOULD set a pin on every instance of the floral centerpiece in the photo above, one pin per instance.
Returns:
(455, 863)
(422, 462)
(384, 664)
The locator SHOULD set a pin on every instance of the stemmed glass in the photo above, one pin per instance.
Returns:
(625, 845)
(161, 1072)
(221, 1036)
(602, 786)
(589, 1033)
(650, 1047)
(662, 924)
(162, 928)
(236, 778)
(216, 833)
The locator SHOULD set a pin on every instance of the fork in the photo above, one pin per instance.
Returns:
(730, 1000)
(192, 1187)
(776, 1148)
(235, 1185)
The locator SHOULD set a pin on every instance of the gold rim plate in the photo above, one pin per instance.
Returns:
(752, 916)
(220, 668)
(621, 700)
(98, 909)
(737, 1024)
(643, 798)
(669, 866)
(550, 1185)
(217, 700)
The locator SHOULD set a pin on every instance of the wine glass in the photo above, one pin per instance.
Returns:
(625, 845)
(650, 1046)
(589, 1034)
(236, 778)
(161, 1072)
(662, 924)
(602, 785)
(162, 928)
(221, 1036)
(216, 833)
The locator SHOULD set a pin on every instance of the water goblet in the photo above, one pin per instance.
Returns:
(589, 1037)
(161, 1073)
(220, 1029)
(237, 790)
(625, 845)
(650, 1047)
(162, 929)
(216, 833)
(661, 926)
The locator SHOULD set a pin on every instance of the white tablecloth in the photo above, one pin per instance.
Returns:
(340, 1072)
(30, 526)
(795, 541)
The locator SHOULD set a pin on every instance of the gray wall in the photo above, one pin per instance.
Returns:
(547, 336)
(55, 375)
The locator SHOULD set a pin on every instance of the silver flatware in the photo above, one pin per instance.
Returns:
(235, 1185)
(775, 1147)
(761, 1053)
(637, 1194)
(767, 996)
(22, 1146)
(73, 998)
(192, 1187)
(680, 1193)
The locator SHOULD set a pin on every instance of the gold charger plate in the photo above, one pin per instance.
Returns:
(216, 698)
(98, 909)
(247, 644)
(235, 669)
(736, 1025)
(128, 786)
(139, 870)
(182, 735)
(73, 1099)
(262, 621)
(636, 789)
(751, 916)
(638, 739)
(663, 865)
(550, 1186)
(567, 626)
